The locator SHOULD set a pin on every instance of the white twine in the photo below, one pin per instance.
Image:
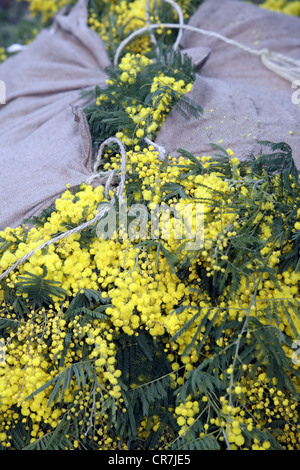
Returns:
(87, 224)
(161, 150)
(153, 39)
(180, 22)
(109, 176)
(282, 65)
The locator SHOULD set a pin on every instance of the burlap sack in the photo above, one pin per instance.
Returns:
(243, 101)
(41, 146)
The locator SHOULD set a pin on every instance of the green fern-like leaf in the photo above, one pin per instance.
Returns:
(39, 290)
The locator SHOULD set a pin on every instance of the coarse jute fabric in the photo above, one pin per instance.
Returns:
(43, 147)
(243, 101)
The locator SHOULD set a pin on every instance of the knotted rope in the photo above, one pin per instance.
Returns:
(180, 22)
(109, 176)
(282, 65)
(100, 214)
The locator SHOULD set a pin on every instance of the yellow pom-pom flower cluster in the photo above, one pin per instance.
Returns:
(283, 6)
(47, 8)
(70, 263)
(139, 97)
(65, 362)
(117, 20)
(3, 55)
(148, 119)
(136, 338)
(121, 19)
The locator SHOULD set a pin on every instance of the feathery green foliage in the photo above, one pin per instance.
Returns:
(112, 116)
